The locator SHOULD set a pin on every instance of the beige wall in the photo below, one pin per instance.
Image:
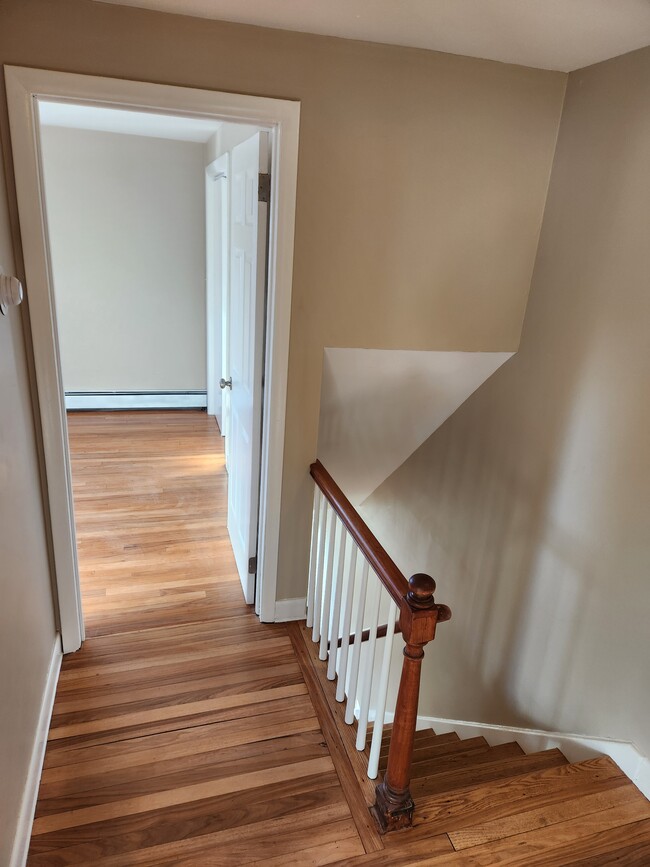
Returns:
(126, 216)
(421, 185)
(379, 405)
(27, 629)
(530, 505)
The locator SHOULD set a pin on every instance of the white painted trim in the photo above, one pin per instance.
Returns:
(284, 176)
(136, 400)
(575, 747)
(281, 117)
(33, 781)
(290, 609)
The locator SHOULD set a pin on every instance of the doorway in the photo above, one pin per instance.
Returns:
(237, 200)
(279, 119)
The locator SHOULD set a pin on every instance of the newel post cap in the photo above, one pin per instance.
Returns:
(421, 590)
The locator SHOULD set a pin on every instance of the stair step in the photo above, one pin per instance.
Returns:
(469, 759)
(420, 753)
(586, 829)
(611, 827)
(478, 773)
(491, 800)
(422, 737)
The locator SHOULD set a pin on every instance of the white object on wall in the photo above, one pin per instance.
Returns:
(109, 400)
(11, 292)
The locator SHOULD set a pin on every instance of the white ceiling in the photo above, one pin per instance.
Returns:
(126, 121)
(548, 34)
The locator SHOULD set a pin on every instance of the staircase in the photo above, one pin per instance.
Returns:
(483, 805)
(494, 804)
(443, 763)
(435, 799)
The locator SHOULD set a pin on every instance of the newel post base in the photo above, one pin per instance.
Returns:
(419, 614)
(392, 810)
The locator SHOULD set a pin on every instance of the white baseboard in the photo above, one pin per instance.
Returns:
(105, 400)
(290, 609)
(30, 792)
(575, 747)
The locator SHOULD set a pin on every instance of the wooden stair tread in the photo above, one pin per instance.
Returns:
(469, 759)
(494, 799)
(576, 842)
(589, 836)
(464, 754)
(546, 815)
(628, 844)
(422, 736)
(428, 751)
(479, 773)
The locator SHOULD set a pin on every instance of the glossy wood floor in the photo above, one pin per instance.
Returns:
(185, 732)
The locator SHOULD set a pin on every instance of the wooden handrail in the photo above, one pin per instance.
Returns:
(419, 615)
(391, 577)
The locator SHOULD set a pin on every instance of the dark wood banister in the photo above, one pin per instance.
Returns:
(419, 615)
(367, 542)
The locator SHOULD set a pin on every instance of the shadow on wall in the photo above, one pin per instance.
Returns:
(378, 406)
(514, 506)
(530, 504)
(463, 511)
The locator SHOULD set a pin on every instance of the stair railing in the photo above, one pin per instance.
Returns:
(345, 597)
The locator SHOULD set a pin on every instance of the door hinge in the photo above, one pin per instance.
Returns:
(252, 566)
(264, 188)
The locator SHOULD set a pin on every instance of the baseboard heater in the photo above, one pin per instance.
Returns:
(107, 400)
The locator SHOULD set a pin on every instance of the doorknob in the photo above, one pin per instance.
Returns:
(225, 383)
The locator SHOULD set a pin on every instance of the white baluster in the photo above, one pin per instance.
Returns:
(313, 558)
(318, 583)
(336, 610)
(362, 726)
(326, 611)
(347, 619)
(356, 651)
(382, 691)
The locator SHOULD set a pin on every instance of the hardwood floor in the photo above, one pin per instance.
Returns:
(185, 732)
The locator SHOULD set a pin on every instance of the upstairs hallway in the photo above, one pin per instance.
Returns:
(183, 731)
(187, 733)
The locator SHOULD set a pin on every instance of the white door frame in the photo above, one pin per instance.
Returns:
(217, 263)
(281, 117)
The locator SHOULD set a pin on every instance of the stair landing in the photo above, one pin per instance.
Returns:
(485, 805)
(188, 734)
(478, 804)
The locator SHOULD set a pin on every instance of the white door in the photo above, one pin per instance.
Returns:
(217, 255)
(248, 238)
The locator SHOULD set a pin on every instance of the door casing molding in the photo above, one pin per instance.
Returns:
(281, 118)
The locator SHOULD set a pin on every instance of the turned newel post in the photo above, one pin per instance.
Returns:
(419, 615)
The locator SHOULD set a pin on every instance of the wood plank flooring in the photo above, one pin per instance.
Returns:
(185, 732)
